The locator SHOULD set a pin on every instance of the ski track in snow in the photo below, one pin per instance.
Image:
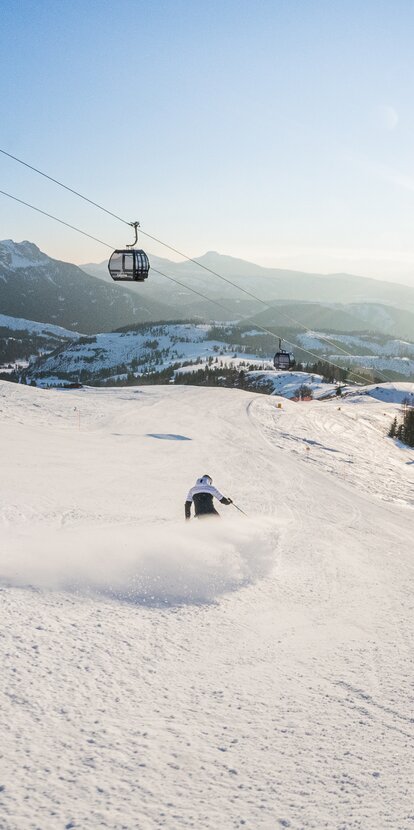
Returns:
(344, 438)
(251, 673)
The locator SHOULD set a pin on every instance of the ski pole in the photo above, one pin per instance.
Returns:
(239, 509)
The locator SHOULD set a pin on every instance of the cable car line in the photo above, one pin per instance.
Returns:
(50, 216)
(183, 285)
(65, 186)
(180, 253)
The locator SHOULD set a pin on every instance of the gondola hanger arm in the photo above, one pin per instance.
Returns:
(134, 225)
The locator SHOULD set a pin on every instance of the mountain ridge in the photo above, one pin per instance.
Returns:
(37, 287)
(230, 265)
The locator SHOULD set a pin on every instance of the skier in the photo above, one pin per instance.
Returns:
(202, 496)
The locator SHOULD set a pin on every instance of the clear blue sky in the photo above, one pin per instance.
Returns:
(280, 132)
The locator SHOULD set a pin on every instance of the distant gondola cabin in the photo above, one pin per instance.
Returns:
(283, 360)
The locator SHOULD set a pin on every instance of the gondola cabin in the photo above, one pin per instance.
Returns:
(129, 264)
(283, 360)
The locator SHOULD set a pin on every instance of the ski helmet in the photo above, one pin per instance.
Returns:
(206, 479)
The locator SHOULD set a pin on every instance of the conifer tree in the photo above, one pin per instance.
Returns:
(393, 428)
(408, 426)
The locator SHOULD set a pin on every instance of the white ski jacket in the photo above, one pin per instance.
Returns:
(201, 495)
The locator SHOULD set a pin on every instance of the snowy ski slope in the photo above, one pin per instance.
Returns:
(253, 672)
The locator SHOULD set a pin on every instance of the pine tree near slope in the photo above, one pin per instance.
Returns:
(408, 427)
(405, 430)
(393, 428)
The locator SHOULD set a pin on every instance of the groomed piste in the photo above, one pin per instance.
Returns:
(249, 672)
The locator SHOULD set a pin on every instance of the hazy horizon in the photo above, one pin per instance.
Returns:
(407, 280)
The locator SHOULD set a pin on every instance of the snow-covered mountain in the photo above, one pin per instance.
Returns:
(156, 348)
(368, 351)
(36, 287)
(140, 350)
(22, 341)
(367, 344)
(251, 672)
(32, 327)
(345, 318)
